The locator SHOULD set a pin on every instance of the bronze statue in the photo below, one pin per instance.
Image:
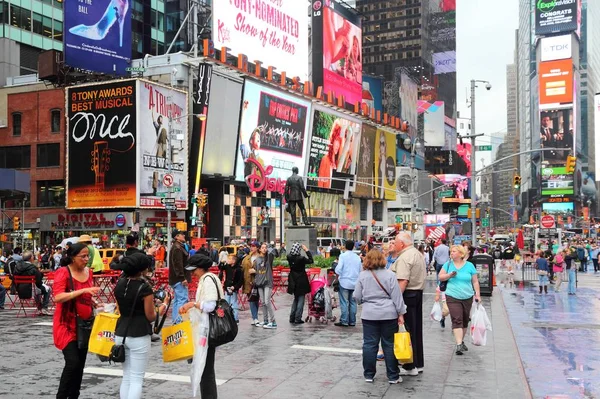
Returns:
(294, 195)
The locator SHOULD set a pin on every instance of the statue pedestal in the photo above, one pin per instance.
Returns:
(305, 235)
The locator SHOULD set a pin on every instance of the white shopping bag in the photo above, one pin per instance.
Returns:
(436, 311)
(200, 330)
(480, 324)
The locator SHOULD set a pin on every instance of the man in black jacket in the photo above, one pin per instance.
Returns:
(294, 195)
(26, 268)
(177, 279)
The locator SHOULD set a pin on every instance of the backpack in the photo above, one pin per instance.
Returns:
(581, 254)
(45, 259)
(319, 299)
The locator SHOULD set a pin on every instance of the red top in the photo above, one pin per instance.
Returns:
(64, 330)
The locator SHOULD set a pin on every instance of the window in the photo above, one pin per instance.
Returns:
(378, 211)
(16, 157)
(48, 155)
(37, 23)
(55, 121)
(51, 193)
(364, 206)
(47, 27)
(16, 124)
(58, 30)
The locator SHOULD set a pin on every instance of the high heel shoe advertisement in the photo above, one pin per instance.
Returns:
(98, 35)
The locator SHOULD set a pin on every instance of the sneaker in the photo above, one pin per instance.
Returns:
(155, 338)
(397, 381)
(420, 369)
(464, 347)
(46, 312)
(299, 322)
(340, 324)
(368, 379)
(459, 350)
(412, 372)
(270, 325)
(256, 323)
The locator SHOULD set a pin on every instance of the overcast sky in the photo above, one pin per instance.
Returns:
(485, 42)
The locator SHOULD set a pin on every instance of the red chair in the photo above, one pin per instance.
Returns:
(26, 303)
(49, 281)
(277, 282)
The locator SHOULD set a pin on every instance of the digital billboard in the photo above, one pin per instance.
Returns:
(559, 207)
(409, 94)
(556, 48)
(556, 131)
(274, 32)
(556, 182)
(384, 165)
(101, 145)
(337, 50)
(556, 83)
(372, 92)
(366, 160)
(444, 62)
(460, 186)
(555, 16)
(435, 135)
(97, 35)
(333, 149)
(464, 152)
(156, 105)
(596, 117)
(272, 133)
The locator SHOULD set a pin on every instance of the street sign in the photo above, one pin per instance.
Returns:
(171, 207)
(446, 194)
(485, 222)
(548, 222)
(484, 148)
(177, 189)
(168, 180)
(167, 201)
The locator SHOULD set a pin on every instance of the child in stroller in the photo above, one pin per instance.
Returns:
(321, 301)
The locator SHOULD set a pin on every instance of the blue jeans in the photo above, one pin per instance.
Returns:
(375, 331)
(543, 280)
(232, 300)
(572, 280)
(254, 310)
(347, 307)
(137, 352)
(297, 308)
(42, 297)
(181, 298)
(2, 295)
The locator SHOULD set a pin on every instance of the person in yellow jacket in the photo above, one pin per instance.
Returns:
(95, 260)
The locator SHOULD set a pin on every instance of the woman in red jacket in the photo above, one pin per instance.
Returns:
(72, 300)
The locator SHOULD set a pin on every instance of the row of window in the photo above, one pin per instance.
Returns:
(28, 20)
(17, 121)
(19, 157)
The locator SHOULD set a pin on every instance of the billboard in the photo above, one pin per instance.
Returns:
(384, 166)
(464, 152)
(366, 160)
(98, 35)
(435, 135)
(561, 207)
(102, 146)
(556, 48)
(272, 133)
(337, 50)
(460, 186)
(444, 62)
(372, 92)
(556, 83)
(555, 16)
(274, 32)
(596, 117)
(409, 93)
(333, 149)
(156, 105)
(556, 131)
(556, 182)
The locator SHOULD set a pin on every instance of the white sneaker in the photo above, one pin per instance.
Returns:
(420, 369)
(256, 323)
(270, 325)
(413, 372)
(368, 379)
(399, 380)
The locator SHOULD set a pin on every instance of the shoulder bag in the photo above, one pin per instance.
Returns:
(83, 327)
(117, 352)
(444, 284)
(223, 328)
(381, 285)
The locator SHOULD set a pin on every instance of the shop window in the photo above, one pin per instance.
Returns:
(51, 193)
(48, 155)
(378, 211)
(16, 157)
(16, 124)
(55, 121)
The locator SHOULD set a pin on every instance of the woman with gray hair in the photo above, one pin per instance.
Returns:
(298, 284)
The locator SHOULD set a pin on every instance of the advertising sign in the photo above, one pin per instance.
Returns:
(556, 182)
(156, 104)
(596, 117)
(88, 221)
(98, 35)
(409, 94)
(564, 207)
(554, 16)
(372, 92)
(333, 150)
(442, 26)
(366, 160)
(444, 62)
(436, 218)
(272, 136)
(385, 165)
(556, 131)
(556, 48)
(337, 50)
(101, 145)
(274, 32)
(461, 186)
(435, 135)
(464, 151)
(556, 83)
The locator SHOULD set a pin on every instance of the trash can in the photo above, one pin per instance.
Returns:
(484, 264)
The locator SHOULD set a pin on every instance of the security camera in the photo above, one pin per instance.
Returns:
(488, 86)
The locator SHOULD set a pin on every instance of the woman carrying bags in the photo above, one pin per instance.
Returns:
(298, 284)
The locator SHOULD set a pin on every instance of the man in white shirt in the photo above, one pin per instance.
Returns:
(441, 255)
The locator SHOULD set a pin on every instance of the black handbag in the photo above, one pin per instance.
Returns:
(254, 296)
(83, 326)
(444, 284)
(117, 352)
(223, 328)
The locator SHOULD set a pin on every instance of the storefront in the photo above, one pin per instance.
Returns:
(153, 224)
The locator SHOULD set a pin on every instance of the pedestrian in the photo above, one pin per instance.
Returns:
(223, 255)
(461, 289)
(160, 254)
(571, 271)
(263, 280)
(232, 275)
(249, 274)
(441, 254)
(41, 293)
(73, 291)
(558, 267)
(95, 261)
(348, 269)
(207, 294)
(382, 310)
(410, 273)
(298, 284)
(2, 296)
(543, 269)
(594, 254)
(57, 257)
(177, 276)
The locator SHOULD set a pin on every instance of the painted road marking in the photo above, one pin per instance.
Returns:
(43, 323)
(150, 376)
(328, 349)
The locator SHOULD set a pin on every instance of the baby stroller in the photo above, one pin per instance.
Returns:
(320, 301)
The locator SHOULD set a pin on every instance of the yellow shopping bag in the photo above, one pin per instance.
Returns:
(102, 337)
(403, 347)
(177, 342)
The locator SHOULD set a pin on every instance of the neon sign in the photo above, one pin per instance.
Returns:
(259, 181)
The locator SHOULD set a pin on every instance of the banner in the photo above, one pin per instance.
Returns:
(366, 160)
(385, 165)
(97, 35)
(333, 150)
(554, 16)
(156, 105)
(101, 145)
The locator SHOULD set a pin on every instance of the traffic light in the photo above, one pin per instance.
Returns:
(203, 200)
(470, 214)
(570, 165)
(16, 223)
(517, 182)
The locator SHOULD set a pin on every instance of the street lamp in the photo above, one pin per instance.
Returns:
(414, 147)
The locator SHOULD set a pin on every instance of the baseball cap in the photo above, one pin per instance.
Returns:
(198, 261)
(255, 244)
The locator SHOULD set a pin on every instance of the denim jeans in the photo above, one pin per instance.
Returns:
(45, 297)
(375, 331)
(254, 310)
(297, 309)
(543, 280)
(572, 280)
(265, 297)
(137, 353)
(232, 300)
(72, 374)
(2, 295)
(347, 307)
(181, 298)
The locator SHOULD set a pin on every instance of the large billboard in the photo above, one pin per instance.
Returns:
(102, 145)
(435, 135)
(444, 62)
(272, 133)
(384, 167)
(460, 187)
(556, 48)
(372, 92)
(556, 83)
(409, 94)
(556, 131)
(366, 160)
(333, 149)
(274, 32)
(555, 16)
(156, 105)
(97, 35)
(337, 50)
(596, 117)
(557, 183)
